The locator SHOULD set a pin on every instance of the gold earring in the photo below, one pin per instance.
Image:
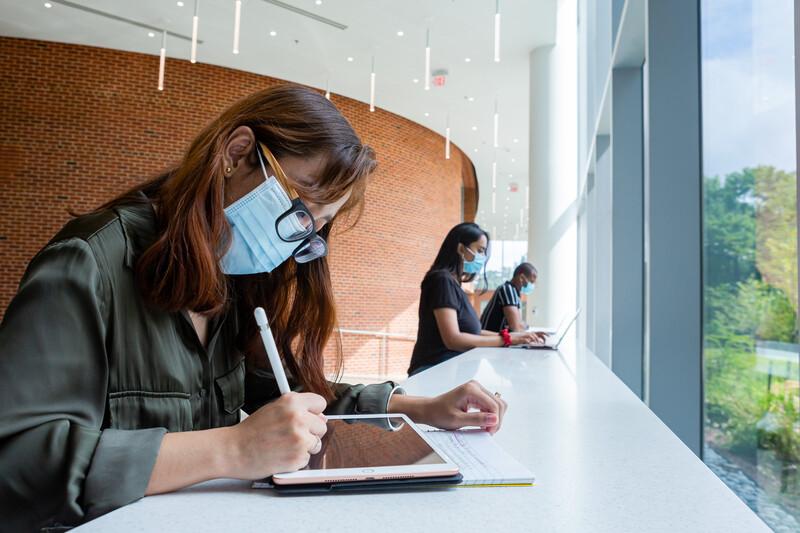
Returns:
(228, 171)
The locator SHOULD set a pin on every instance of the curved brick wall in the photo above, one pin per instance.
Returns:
(81, 124)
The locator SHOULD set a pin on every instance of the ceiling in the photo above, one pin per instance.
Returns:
(308, 51)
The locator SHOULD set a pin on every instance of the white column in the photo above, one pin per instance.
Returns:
(552, 244)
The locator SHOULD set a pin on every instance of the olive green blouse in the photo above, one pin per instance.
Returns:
(91, 377)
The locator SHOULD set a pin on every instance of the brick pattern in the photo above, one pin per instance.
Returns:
(81, 124)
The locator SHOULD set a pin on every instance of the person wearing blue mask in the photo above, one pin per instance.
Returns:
(131, 348)
(448, 324)
(503, 309)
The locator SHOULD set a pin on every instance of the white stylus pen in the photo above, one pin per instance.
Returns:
(272, 350)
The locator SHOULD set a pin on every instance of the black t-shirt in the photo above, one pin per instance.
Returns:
(440, 289)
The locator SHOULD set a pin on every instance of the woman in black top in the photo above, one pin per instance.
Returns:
(448, 325)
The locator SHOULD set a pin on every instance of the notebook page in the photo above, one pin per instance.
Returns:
(481, 460)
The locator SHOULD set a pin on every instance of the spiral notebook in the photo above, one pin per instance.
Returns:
(481, 461)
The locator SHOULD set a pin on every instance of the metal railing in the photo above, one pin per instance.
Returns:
(384, 336)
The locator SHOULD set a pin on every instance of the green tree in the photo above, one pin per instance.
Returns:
(776, 229)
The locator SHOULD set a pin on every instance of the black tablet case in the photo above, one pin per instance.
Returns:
(370, 486)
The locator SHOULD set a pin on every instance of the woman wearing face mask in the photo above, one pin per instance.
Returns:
(448, 325)
(130, 347)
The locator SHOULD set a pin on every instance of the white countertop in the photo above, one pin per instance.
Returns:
(603, 462)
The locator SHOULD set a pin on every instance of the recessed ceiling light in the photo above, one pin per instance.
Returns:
(318, 2)
(470, 98)
(180, 4)
(427, 114)
(513, 160)
(48, 5)
(273, 33)
(350, 59)
(415, 80)
(475, 150)
(467, 60)
(516, 140)
(474, 128)
(400, 33)
(149, 34)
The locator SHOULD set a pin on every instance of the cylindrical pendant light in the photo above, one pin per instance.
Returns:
(428, 60)
(162, 61)
(447, 138)
(237, 19)
(497, 32)
(372, 87)
(195, 22)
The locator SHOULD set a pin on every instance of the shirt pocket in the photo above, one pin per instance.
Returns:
(231, 392)
(143, 409)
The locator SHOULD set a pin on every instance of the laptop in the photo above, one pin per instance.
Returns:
(553, 341)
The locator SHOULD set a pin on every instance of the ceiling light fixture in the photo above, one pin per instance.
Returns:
(516, 140)
(151, 34)
(318, 2)
(428, 60)
(350, 59)
(470, 98)
(497, 32)
(372, 87)
(513, 160)
(415, 80)
(447, 137)
(237, 19)
(475, 150)
(494, 174)
(195, 22)
(180, 4)
(474, 128)
(467, 60)
(426, 114)
(48, 5)
(273, 33)
(400, 33)
(162, 61)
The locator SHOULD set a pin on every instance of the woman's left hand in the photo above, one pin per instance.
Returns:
(451, 410)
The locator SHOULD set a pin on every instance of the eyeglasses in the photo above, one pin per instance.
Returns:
(296, 224)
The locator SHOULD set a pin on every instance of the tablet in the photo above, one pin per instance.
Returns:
(371, 447)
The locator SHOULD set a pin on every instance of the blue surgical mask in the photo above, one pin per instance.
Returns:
(527, 288)
(474, 266)
(255, 245)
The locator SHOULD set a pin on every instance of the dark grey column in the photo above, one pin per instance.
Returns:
(674, 232)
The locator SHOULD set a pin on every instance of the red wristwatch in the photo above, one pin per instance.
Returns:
(506, 337)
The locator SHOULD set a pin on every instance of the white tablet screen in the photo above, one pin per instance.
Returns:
(369, 442)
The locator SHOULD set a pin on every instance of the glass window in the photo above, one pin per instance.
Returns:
(751, 365)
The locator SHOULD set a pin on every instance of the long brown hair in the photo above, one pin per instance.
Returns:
(181, 269)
